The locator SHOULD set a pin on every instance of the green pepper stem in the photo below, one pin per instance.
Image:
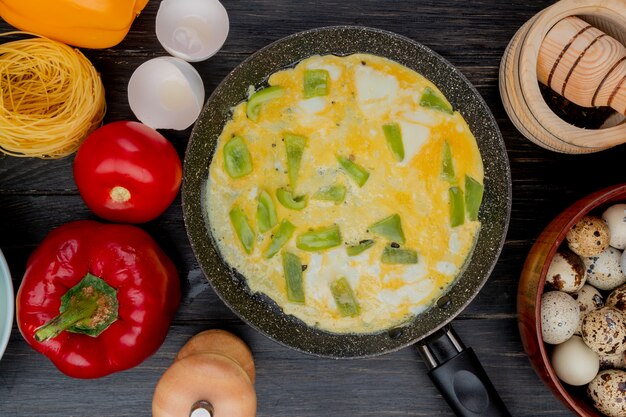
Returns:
(89, 307)
(80, 310)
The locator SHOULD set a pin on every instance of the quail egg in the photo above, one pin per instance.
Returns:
(608, 392)
(604, 331)
(603, 271)
(589, 236)
(574, 363)
(166, 93)
(588, 298)
(615, 361)
(615, 217)
(193, 30)
(559, 317)
(566, 272)
(617, 299)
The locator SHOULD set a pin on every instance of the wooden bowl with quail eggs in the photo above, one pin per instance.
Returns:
(571, 304)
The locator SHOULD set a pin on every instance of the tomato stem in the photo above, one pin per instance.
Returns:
(119, 194)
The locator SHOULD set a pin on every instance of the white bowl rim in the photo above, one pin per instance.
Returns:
(5, 281)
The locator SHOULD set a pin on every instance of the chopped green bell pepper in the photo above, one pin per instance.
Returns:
(292, 268)
(287, 199)
(319, 239)
(393, 135)
(390, 228)
(242, 228)
(473, 197)
(447, 164)
(457, 207)
(361, 247)
(281, 236)
(355, 171)
(237, 159)
(347, 303)
(294, 145)
(434, 101)
(393, 255)
(335, 192)
(257, 99)
(316, 83)
(266, 217)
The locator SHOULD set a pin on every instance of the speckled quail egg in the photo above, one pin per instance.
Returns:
(604, 271)
(615, 217)
(604, 331)
(608, 392)
(588, 299)
(559, 317)
(589, 236)
(574, 363)
(617, 299)
(566, 272)
(615, 361)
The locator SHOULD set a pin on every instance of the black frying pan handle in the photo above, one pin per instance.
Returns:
(460, 378)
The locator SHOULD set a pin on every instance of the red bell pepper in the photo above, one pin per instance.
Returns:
(97, 298)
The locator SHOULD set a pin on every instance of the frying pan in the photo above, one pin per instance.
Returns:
(454, 369)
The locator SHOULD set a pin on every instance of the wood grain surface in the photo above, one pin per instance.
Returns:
(36, 196)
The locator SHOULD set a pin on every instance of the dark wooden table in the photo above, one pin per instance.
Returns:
(36, 196)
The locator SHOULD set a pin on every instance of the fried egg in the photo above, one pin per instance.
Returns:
(364, 93)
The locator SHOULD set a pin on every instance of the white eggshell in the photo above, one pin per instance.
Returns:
(166, 93)
(588, 299)
(615, 218)
(574, 363)
(559, 317)
(193, 30)
(604, 271)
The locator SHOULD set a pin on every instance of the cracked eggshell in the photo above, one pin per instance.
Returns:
(589, 236)
(608, 392)
(166, 93)
(604, 331)
(617, 299)
(615, 218)
(604, 270)
(193, 30)
(588, 299)
(566, 272)
(574, 363)
(559, 317)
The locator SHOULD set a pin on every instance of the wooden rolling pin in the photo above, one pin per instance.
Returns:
(584, 65)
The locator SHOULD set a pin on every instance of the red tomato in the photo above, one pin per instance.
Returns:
(127, 172)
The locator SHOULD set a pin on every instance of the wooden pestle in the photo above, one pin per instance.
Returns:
(583, 64)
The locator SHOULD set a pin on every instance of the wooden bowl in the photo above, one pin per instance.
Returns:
(531, 288)
(519, 87)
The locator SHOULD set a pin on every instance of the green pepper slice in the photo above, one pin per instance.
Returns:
(266, 217)
(237, 159)
(316, 83)
(281, 236)
(294, 145)
(393, 255)
(287, 199)
(473, 197)
(390, 228)
(457, 207)
(257, 99)
(434, 101)
(361, 247)
(447, 165)
(319, 239)
(347, 303)
(242, 228)
(393, 135)
(292, 267)
(335, 192)
(355, 171)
